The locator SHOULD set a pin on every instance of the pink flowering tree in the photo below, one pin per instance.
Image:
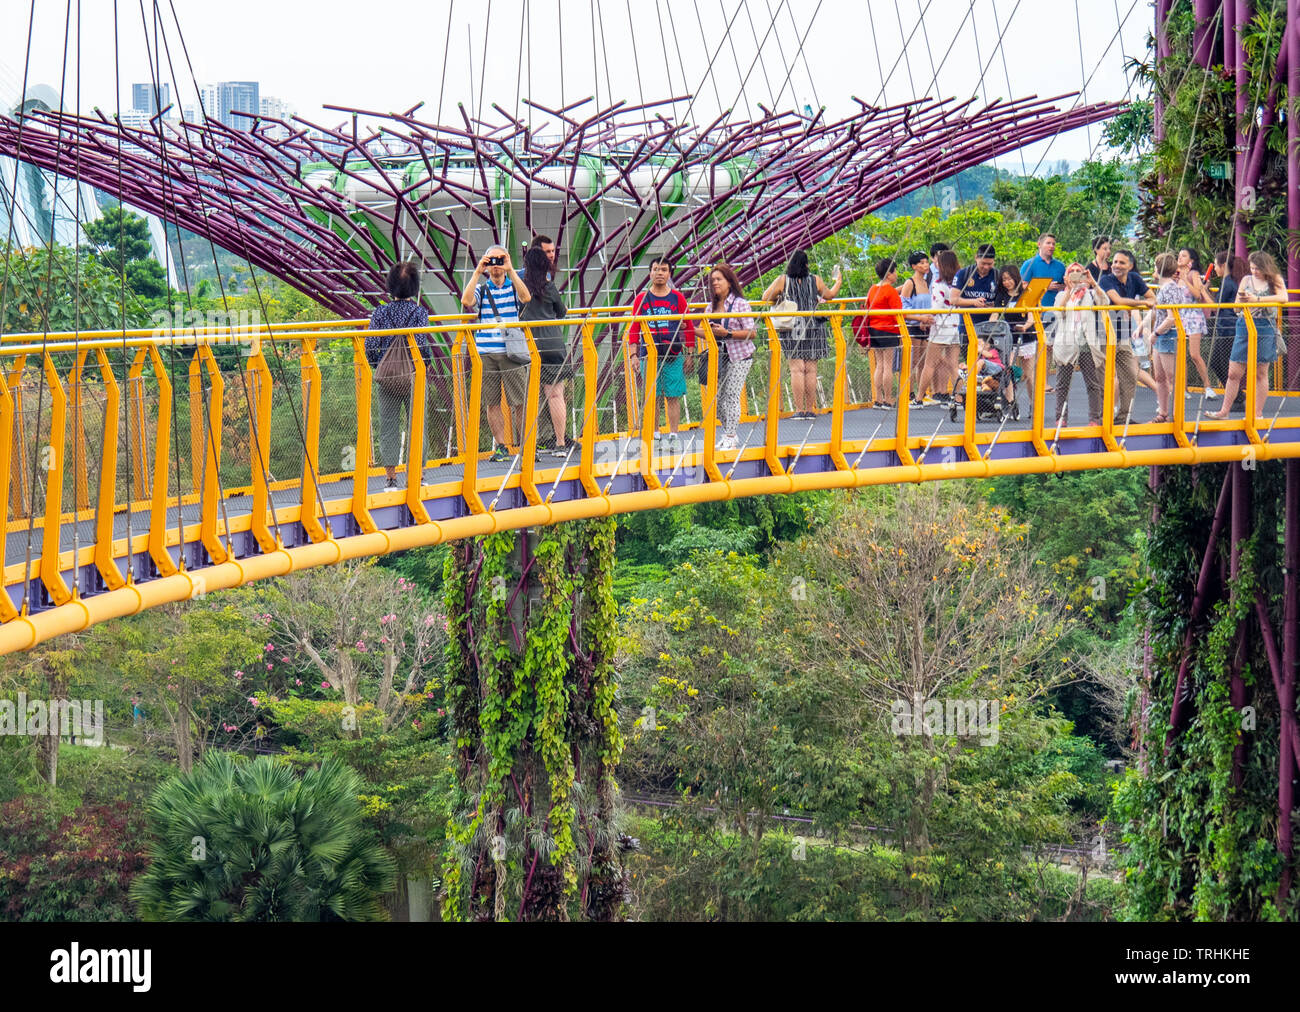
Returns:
(367, 633)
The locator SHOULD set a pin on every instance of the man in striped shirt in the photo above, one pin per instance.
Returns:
(496, 291)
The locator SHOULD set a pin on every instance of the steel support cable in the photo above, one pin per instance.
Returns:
(257, 289)
(78, 429)
(14, 203)
(155, 77)
(1006, 70)
(1083, 93)
(126, 383)
(205, 387)
(45, 336)
(1119, 29)
(446, 48)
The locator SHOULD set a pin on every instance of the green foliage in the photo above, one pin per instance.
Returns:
(683, 873)
(755, 692)
(62, 290)
(249, 841)
(1189, 208)
(119, 238)
(1099, 198)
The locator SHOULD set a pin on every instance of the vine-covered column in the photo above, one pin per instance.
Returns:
(1207, 819)
(531, 833)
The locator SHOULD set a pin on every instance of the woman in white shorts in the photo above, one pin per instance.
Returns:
(940, 370)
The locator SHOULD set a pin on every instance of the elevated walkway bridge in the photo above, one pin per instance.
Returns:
(145, 467)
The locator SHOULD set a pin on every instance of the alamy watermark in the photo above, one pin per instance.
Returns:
(242, 328)
(79, 719)
(961, 718)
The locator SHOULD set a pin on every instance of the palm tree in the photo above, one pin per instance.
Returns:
(248, 841)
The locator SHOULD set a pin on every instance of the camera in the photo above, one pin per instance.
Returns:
(496, 261)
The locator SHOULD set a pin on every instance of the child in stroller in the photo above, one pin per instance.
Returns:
(995, 385)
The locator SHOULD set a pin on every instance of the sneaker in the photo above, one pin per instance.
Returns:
(391, 486)
(562, 451)
(729, 443)
(673, 443)
(658, 436)
(500, 455)
(1211, 394)
(931, 402)
(914, 403)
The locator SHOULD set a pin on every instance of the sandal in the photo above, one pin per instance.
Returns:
(1159, 420)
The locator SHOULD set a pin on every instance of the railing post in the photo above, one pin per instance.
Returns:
(106, 507)
(415, 445)
(772, 430)
(587, 455)
(162, 444)
(309, 370)
(839, 389)
(7, 609)
(361, 463)
(211, 486)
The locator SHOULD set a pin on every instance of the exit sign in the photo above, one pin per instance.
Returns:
(1218, 170)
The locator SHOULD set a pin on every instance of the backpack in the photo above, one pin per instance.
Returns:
(395, 372)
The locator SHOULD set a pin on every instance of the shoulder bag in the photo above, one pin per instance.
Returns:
(516, 342)
(784, 324)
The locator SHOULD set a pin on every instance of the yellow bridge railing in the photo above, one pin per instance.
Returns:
(147, 467)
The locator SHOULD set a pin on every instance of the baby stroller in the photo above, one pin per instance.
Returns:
(995, 390)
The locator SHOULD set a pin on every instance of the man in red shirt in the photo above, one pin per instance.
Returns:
(674, 341)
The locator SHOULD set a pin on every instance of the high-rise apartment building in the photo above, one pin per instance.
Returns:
(145, 99)
(236, 97)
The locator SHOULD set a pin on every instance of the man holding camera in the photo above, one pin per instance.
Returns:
(496, 292)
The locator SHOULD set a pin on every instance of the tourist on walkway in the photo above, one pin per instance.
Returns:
(1265, 285)
(1231, 271)
(1191, 278)
(393, 388)
(1124, 287)
(674, 344)
(547, 245)
(1044, 264)
(1100, 263)
(935, 249)
(735, 340)
(1080, 343)
(806, 343)
(915, 294)
(496, 292)
(1170, 292)
(977, 288)
(945, 334)
(544, 303)
(1024, 336)
(883, 332)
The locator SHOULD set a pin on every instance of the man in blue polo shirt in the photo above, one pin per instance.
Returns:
(1043, 264)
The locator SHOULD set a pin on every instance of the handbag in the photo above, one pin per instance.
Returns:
(516, 343)
(784, 324)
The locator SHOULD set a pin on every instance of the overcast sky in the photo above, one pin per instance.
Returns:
(388, 54)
